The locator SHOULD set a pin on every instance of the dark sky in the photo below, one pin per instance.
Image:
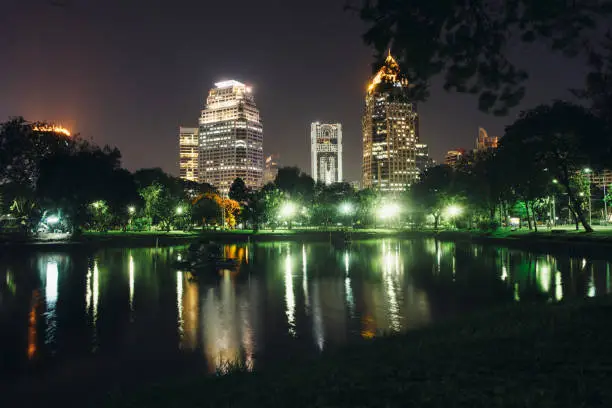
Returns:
(129, 72)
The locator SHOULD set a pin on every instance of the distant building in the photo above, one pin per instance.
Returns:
(390, 131)
(326, 152)
(423, 161)
(356, 185)
(453, 156)
(485, 142)
(188, 153)
(231, 137)
(601, 179)
(270, 169)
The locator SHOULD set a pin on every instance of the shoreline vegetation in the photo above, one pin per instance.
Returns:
(573, 242)
(521, 355)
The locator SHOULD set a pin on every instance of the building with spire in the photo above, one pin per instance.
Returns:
(390, 131)
(326, 152)
(231, 137)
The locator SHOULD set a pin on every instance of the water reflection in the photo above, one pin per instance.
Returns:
(284, 294)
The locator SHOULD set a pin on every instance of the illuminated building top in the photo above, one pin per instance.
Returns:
(51, 128)
(389, 73)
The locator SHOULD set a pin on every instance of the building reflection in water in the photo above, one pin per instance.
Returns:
(179, 305)
(289, 294)
(131, 283)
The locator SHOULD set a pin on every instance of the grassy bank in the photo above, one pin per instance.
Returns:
(522, 356)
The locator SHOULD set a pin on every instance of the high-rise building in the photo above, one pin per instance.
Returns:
(326, 152)
(188, 153)
(270, 169)
(231, 137)
(390, 131)
(423, 161)
(484, 141)
(453, 156)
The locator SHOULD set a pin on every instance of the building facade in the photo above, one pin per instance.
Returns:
(453, 156)
(390, 132)
(486, 142)
(188, 153)
(423, 161)
(231, 137)
(326, 152)
(270, 169)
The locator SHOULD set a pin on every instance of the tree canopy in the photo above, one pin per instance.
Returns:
(467, 41)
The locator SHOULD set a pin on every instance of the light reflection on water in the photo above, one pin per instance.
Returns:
(282, 294)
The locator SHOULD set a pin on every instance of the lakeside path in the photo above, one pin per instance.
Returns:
(574, 243)
(524, 355)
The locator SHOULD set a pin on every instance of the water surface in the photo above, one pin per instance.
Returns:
(76, 315)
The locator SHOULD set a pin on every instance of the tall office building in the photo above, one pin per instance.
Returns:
(231, 137)
(188, 153)
(485, 142)
(326, 152)
(390, 131)
(423, 161)
(270, 169)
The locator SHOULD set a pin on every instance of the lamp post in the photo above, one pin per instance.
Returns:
(588, 172)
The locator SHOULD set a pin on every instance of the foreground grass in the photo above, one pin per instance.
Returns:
(523, 356)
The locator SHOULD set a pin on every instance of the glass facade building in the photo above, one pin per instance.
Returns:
(326, 152)
(188, 153)
(231, 137)
(390, 132)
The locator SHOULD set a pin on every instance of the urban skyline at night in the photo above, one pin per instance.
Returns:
(133, 90)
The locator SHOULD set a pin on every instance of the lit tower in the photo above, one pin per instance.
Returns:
(326, 152)
(231, 137)
(390, 132)
(188, 153)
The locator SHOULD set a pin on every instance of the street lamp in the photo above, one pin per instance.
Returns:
(346, 208)
(588, 171)
(131, 209)
(287, 211)
(52, 219)
(179, 210)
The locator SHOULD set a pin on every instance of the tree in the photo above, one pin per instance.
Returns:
(435, 191)
(467, 40)
(564, 139)
(72, 181)
(264, 205)
(295, 183)
(239, 191)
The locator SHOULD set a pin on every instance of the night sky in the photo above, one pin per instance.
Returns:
(129, 72)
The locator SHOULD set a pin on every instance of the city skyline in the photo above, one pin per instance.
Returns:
(135, 73)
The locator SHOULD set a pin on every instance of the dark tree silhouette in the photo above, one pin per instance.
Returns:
(467, 41)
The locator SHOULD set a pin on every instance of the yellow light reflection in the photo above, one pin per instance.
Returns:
(191, 314)
(32, 321)
(289, 295)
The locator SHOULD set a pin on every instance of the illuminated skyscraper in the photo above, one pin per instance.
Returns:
(271, 169)
(188, 153)
(326, 152)
(231, 137)
(390, 132)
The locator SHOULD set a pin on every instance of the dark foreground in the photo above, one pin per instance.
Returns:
(524, 356)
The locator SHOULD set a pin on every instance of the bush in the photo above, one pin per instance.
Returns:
(488, 225)
(141, 224)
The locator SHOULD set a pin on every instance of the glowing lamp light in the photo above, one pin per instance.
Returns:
(346, 208)
(287, 210)
(453, 210)
(52, 219)
(179, 210)
(389, 210)
(131, 209)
